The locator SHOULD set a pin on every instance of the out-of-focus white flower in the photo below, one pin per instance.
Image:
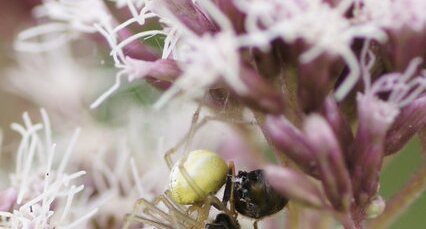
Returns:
(130, 3)
(66, 19)
(60, 80)
(110, 180)
(45, 191)
(394, 14)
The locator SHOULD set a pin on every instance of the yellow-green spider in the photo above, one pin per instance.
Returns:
(193, 182)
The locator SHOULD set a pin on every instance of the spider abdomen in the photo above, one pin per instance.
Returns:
(206, 169)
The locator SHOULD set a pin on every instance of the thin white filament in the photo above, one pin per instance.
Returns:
(48, 174)
(135, 37)
(218, 16)
(47, 128)
(351, 79)
(74, 190)
(81, 219)
(136, 176)
(68, 151)
(110, 91)
(42, 30)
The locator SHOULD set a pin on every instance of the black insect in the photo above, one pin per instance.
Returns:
(223, 221)
(250, 195)
(254, 197)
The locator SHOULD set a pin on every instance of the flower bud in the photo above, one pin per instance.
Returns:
(294, 186)
(331, 163)
(315, 82)
(375, 118)
(287, 138)
(136, 49)
(411, 119)
(187, 12)
(160, 73)
(338, 123)
(260, 94)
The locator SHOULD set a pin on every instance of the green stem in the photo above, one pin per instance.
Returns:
(399, 204)
(422, 136)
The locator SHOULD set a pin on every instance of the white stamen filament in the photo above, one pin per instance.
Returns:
(145, 35)
(81, 219)
(136, 177)
(74, 190)
(110, 91)
(351, 79)
(70, 148)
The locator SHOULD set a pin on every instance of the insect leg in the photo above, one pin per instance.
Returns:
(212, 200)
(228, 195)
(255, 224)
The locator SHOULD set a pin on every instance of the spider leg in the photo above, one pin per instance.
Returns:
(195, 126)
(140, 219)
(174, 216)
(180, 214)
(170, 200)
(185, 140)
(212, 200)
(151, 209)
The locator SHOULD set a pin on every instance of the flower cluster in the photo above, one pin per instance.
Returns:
(335, 85)
(40, 195)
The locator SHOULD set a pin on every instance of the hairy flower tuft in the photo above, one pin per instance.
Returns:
(45, 191)
(395, 14)
(66, 19)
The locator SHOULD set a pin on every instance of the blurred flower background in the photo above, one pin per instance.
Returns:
(85, 152)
